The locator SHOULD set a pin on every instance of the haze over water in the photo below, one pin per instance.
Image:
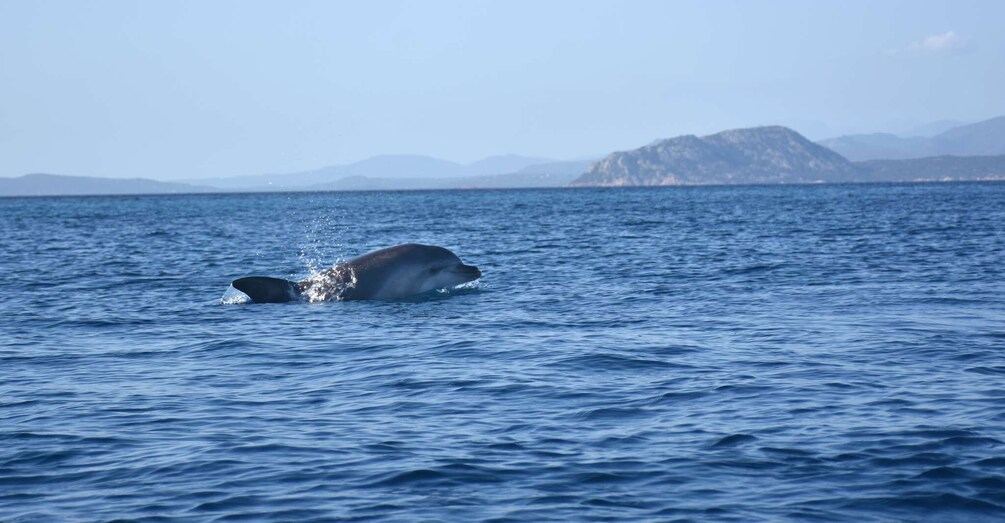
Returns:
(831, 353)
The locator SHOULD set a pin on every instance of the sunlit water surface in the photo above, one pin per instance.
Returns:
(825, 353)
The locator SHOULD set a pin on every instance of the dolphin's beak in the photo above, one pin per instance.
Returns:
(469, 271)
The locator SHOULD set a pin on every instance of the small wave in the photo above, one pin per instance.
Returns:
(673, 397)
(972, 441)
(944, 473)
(734, 440)
(411, 477)
(588, 478)
(229, 504)
(615, 361)
(937, 503)
(41, 458)
(992, 462)
(753, 269)
(607, 413)
(991, 370)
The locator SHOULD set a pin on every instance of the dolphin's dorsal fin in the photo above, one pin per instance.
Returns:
(262, 289)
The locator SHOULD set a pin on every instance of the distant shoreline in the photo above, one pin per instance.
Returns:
(492, 189)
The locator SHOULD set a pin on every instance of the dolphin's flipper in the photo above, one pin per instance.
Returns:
(267, 290)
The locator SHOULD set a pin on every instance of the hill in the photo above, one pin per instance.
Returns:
(742, 156)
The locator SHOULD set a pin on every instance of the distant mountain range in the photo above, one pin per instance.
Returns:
(760, 155)
(398, 166)
(59, 185)
(551, 174)
(387, 172)
(522, 180)
(935, 169)
(932, 128)
(417, 172)
(985, 138)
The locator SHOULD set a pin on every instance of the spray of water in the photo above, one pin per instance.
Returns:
(232, 296)
(329, 285)
(325, 226)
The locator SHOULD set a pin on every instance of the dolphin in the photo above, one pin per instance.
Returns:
(390, 273)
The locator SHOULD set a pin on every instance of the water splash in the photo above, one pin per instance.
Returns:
(329, 285)
(325, 228)
(232, 296)
(466, 286)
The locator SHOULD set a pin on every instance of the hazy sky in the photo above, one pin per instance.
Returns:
(177, 89)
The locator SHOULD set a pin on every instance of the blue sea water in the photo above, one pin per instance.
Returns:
(791, 353)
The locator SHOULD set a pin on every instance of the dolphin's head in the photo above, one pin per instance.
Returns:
(407, 269)
(444, 269)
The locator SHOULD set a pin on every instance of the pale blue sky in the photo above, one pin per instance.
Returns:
(177, 89)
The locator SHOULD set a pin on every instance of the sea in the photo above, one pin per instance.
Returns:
(821, 353)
